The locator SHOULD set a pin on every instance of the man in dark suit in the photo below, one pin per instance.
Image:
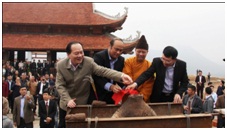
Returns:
(40, 88)
(33, 67)
(171, 77)
(110, 58)
(40, 67)
(11, 84)
(47, 111)
(22, 113)
(200, 80)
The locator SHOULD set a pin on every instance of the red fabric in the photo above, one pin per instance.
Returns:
(5, 89)
(117, 97)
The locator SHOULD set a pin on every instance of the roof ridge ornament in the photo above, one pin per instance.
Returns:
(129, 39)
(116, 17)
(129, 43)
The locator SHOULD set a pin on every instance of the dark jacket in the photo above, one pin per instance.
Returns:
(28, 113)
(197, 105)
(39, 86)
(102, 58)
(203, 80)
(219, 90)
(180, 78)
(43, 113)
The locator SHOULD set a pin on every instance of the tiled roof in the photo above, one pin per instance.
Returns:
(53, 42)
(59, 42)
(54, 13)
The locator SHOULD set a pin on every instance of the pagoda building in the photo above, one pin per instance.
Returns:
(49, 27)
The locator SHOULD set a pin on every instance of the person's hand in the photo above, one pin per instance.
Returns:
(186, 108)
(48, 120)
(177, 99)
(126, 79)
(115, 88)
(28, 97)
(15, 124)
(131, 86)
(52, 97)
(71, 103)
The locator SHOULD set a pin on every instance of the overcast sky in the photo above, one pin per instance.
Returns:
(200, 26)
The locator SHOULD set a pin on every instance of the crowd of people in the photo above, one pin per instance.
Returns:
(53, 87)
(25, 81)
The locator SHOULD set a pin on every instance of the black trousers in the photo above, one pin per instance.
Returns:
(47, 125)
(200, 91)
(167, 97)
(221, 122)
(62, 114)
(35, 101)
(24, 125)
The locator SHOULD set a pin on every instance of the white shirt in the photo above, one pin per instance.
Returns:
(200, 78)
(48, 102)
(73, 68)
(41, 88)
(215, 97)
(22, 106)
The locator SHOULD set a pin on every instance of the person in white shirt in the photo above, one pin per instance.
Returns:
(214, 95)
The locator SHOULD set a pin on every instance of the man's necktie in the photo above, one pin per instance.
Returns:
(189, 107)
(47, 107)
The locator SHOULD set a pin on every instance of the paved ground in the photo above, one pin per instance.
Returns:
(35, 123)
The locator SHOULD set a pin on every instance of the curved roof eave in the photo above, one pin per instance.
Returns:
(84, 16)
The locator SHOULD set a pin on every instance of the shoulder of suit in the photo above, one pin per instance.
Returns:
(121, 58)
(101, 55)
(157, 59)
(197, 97)
(101, 52)
(63, 61)
(88, 59)
(181, 61)
(16, 98)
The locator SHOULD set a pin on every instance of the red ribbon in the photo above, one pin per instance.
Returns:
(117, 97)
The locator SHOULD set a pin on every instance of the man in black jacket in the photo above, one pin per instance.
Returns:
(200, 81)
(192, 103)
(110, 58)
(171, 77)
(47, 111)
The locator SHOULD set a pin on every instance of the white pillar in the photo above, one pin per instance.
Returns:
(28, 55)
